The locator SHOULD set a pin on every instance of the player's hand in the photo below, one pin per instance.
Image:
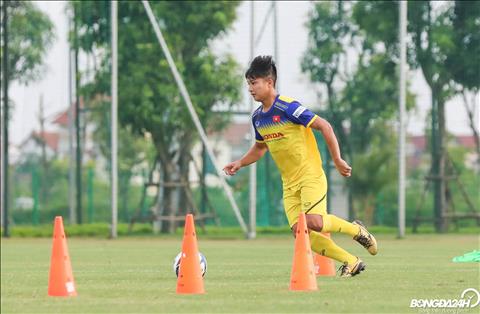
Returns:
(343, 168)
(232, 168)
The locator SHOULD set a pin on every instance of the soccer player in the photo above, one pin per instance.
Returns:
(284, 127)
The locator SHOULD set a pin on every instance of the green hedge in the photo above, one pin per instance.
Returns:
(103, 230)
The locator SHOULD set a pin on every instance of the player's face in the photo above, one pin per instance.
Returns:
(260, 88)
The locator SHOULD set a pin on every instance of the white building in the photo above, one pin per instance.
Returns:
(229, 144)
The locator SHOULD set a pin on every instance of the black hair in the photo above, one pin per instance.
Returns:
(262, 66)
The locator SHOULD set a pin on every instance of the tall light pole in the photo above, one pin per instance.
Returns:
(114, 91)
(401, 127)
(4, 142)
(78, 147)
(253, 167)
(71, 133)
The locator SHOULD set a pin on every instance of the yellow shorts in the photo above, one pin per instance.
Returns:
(309, 196)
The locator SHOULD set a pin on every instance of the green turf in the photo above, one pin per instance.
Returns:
(135, 275)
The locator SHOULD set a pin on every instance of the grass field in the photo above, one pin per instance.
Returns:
(135, 275)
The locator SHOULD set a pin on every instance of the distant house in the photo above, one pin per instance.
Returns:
(236, 136)
(90, 149)
(32, 146)
(56, 138)
(60, 123)
(418, 151)
(234, 141)
(467, 141)
(229, 144)
(472, 158)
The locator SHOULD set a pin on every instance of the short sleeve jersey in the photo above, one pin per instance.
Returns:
(285, 128)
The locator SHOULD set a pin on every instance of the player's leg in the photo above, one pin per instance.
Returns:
(314, 204)
(332, 223)
(314, 201)
(325, 246)
(293, 206)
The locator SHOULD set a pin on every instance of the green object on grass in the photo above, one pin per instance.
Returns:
(473, 256)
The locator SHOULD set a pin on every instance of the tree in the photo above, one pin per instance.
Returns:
(329, 35)
(31, 33)
(134, 151)
(149, 100)
(371, 98)
(463, 62)
(363, 97)
(432, 41)
(375, 169)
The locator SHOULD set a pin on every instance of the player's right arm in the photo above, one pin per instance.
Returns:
(254, 153)
(327, 131)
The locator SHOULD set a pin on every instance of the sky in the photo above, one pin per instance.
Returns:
(292, 43)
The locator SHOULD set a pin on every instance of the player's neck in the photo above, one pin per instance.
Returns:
(268, 102)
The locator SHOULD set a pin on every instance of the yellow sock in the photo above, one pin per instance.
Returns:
(325, 246)
(332, 223)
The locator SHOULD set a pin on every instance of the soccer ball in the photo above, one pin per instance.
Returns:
(201, 257)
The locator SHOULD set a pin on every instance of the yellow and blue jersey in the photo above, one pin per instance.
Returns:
(285, 128)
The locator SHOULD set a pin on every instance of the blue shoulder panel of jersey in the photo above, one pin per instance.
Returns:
(299, 114)
(280, 106)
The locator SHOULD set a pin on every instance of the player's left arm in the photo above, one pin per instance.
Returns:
(327, 131)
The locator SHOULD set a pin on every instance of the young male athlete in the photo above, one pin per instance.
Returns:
(284, 127)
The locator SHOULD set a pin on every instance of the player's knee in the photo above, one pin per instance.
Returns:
(314, 222)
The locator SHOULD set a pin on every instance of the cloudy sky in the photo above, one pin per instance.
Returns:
(292, 44)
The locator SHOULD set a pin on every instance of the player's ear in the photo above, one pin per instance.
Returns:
(270, 81)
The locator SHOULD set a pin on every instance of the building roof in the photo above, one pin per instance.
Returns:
(235, 132)
(467, 141)
(51, 138)
(420, 141)
(62, 117)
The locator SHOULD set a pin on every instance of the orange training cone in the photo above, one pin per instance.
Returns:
(303, 275)
(60, 283)
(324, 266)
(190, 275)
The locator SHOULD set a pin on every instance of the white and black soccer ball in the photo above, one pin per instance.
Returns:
(201, 257)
